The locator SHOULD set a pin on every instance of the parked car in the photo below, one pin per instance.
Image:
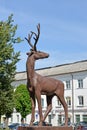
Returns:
(44, 124)
(69, 123)
(81, 126)
(1, 125)
(13, 126)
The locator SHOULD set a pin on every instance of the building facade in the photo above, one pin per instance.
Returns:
(74, 77)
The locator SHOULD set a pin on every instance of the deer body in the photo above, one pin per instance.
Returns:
(39, 85)
(47, 86)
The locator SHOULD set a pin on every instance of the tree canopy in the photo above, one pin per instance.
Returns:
(22, 100)
(8, 60)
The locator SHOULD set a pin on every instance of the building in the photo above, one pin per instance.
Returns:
(74, 76)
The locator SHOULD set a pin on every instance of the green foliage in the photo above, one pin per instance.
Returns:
(22, 100)
(6, 102)
(8, 60)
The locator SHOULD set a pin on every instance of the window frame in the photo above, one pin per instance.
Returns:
(80, 100)
(42, 102)
(68, 85)
(80, 83)
(68, 100)
(77, 118)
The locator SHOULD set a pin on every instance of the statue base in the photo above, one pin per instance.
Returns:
(46, 128)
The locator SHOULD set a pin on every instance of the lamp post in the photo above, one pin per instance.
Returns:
(72, 99)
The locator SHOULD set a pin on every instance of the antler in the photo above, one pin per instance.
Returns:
(35, 38)
(28, 40)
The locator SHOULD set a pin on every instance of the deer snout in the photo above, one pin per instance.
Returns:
(47, 55)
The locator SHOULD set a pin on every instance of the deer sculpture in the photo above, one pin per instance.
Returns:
(38, 85)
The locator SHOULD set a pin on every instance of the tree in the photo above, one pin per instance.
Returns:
(22, 100)
(8, 60)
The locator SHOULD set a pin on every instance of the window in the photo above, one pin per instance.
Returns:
(49, 118)
(58, 103)
(80, 100)
(85, 118)
(80, 83)
(68, 86)
(77, 118)
(11, 118)
(42, 102)
(17, 118)
(59, 119)
(68, 100)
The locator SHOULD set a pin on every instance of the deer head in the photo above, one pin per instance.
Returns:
(33, 51)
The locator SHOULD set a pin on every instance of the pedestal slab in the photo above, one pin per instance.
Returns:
(45, 128)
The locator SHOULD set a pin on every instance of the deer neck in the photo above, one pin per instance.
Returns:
(30, 68)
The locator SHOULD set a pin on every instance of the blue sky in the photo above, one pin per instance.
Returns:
(63, 29)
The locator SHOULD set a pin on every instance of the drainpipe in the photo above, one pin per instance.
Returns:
(72, 99)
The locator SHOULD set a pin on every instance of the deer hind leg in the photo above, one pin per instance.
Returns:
(38, 97)
(32, 96)
(49, 106)
(62, 100)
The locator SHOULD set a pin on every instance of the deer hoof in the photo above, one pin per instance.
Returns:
(40, 124)
(31, 124)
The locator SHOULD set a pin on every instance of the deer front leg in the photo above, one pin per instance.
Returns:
(32, 96)
(38, 97)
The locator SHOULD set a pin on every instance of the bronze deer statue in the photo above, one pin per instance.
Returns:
(39, 85)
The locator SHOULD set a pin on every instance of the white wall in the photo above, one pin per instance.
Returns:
(57, 110)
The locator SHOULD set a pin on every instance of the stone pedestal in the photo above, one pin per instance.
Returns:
(45, 128)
